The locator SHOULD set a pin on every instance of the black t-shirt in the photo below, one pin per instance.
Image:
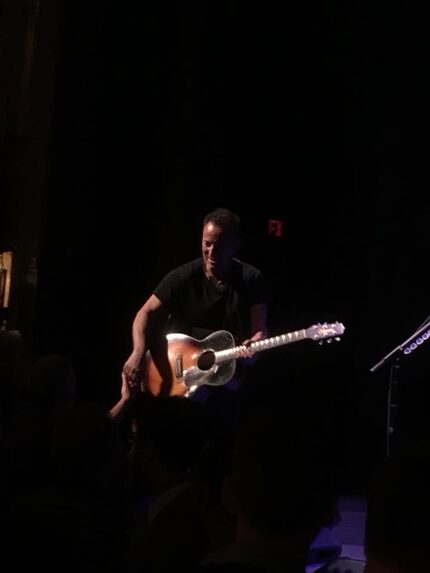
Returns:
(197, 307)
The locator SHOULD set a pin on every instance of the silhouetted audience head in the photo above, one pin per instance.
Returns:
(45, 388)
(12, 346)
(398, 527)
(280, 489)
(50, 383)
(87, 449)
(14, 360)
(171, 434)
(282, 483)
(79, 520)
(172, 428)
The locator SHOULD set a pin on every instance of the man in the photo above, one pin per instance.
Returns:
(216, 292)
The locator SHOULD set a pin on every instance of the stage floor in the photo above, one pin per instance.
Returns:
(347, 537)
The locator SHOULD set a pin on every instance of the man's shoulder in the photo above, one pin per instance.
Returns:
(246, 269)
(194, 265)
(186, 269)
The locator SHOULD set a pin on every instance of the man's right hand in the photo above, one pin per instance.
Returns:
(134, 369)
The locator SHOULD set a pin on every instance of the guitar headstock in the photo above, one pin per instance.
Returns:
(325, 331)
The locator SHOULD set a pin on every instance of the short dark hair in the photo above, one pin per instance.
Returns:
(285, 480)
(158, 418)
(224, 218)
(398, 506)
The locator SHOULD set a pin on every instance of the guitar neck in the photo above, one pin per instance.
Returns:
(260, 345)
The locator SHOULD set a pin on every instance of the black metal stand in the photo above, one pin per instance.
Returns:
(392, 404)
(393, 357)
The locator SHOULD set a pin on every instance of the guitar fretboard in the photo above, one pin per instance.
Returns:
(260, 345)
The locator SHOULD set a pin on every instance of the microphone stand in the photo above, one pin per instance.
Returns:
(404, 348)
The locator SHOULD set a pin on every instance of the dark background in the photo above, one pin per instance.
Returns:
(309, 113)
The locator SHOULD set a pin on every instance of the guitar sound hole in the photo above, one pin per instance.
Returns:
(206, 360)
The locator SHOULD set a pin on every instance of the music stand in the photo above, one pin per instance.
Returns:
(393, 357)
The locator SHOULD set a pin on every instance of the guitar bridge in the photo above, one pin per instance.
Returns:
(179, 367)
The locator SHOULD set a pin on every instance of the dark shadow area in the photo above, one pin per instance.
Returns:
(307, 115)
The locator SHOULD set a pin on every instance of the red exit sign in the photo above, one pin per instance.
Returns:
(275, 227)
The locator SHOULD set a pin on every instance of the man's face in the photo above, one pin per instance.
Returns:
(218, 248)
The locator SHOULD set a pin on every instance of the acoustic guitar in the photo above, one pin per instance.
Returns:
(190, 363)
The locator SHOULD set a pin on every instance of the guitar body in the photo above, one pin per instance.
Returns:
(189, 363)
